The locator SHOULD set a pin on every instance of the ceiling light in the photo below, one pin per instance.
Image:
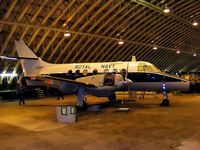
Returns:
(195, 23)
(166, 10)
(67, 34)
(155, 48)
(8, 75)
(121, 42)
(178, 51)
(194, 54)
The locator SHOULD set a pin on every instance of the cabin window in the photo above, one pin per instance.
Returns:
(106, 71)
(123, 73)
(95, 71)
(109, 79)
(148, 68)
(85, 72)
(70, 72)
(115, 71)
(78, 72)
(140, 68)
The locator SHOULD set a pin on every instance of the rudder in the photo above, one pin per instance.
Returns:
(31, 64)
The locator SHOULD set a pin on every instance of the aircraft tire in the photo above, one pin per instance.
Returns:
(85, 105)
(83, 108)
(112, 98)
(165, 102)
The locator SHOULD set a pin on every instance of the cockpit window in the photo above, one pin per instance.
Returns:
(155, 69)
(147, 67)
(140, 68)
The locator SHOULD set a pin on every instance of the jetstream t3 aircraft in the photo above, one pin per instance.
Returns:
(99, 79)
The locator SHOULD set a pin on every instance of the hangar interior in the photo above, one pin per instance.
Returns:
(165, 33)
(169, 40)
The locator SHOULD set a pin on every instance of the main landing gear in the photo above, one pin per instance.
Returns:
(81, 99)
(165, 102)
(112, 98)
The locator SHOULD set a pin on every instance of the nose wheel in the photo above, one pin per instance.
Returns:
(165, 102)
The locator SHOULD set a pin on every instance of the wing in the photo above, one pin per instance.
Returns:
(56, 82)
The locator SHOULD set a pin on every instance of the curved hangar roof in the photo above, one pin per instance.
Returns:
(96, 27)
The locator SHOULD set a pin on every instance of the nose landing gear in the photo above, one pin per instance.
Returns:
(165, 102)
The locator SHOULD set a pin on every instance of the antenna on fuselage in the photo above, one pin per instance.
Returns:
(133, 58)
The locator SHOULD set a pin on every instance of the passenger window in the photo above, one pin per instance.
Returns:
(85, 72)
(70, 72)
(78, 72)
(95, 71)
(155, 69)
(115, 71)
(106, 71)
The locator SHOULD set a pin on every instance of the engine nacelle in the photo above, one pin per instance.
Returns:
(108, 80)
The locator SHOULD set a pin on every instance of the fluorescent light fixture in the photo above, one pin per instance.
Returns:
(8, 75)
(67, 34)
(155, 48)
(166, 10)
(121, 42)
(195, 23)
(4, 57)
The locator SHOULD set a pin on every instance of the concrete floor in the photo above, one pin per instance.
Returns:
(147, 126)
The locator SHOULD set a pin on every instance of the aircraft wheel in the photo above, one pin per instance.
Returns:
(84, 107)
(112, 97)
(165, 102)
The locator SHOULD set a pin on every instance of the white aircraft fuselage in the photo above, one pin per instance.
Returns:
(137, 75)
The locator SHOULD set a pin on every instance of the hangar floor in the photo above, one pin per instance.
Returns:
(145, 126)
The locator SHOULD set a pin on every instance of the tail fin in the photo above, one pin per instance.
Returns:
(31, 64)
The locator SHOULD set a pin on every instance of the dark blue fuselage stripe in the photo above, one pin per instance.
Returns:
(135, 77)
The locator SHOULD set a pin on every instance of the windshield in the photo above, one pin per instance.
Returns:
(147, 67)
